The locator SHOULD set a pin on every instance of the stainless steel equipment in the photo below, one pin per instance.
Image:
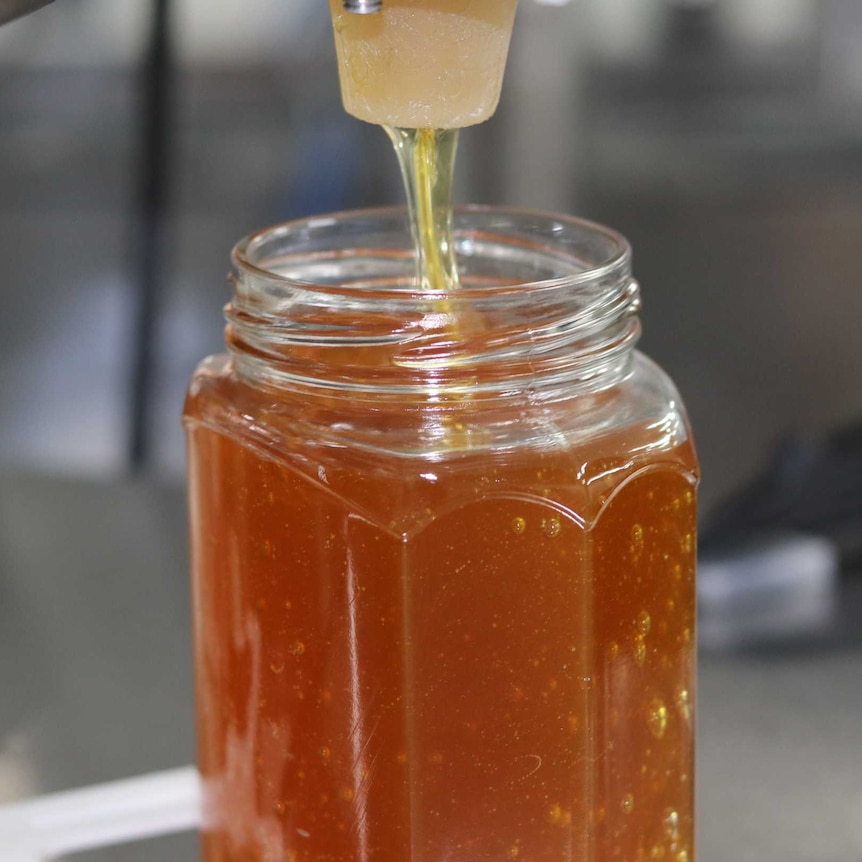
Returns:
(11, 9)
(363, 7)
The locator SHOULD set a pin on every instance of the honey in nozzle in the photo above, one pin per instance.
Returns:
(423, 64)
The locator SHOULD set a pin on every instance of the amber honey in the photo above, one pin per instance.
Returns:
(402, 660)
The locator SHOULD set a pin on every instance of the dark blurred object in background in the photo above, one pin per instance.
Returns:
(772, 554)
(810, 485)
(721, 138)
(12, 9)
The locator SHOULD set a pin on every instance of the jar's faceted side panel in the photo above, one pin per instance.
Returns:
(643, 561)
(299, 665)
(503, 659)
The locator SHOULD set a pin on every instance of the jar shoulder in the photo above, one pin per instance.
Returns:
(640, 421)
(641, 418)
(579, 450)
(212, 390)
(649, 395)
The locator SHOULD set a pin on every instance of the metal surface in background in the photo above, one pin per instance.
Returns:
(10, 9)
(154, 116)
(363, 7)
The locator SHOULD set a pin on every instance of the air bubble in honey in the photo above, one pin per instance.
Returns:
(637, 538)
(657, 718)
(671, 824)
(519, 526)
(551, 527)
(683, 704)
(558, 815)
(640, 650)
(627, 805)
(644, 622)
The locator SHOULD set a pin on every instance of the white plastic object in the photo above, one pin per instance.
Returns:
(45, 827)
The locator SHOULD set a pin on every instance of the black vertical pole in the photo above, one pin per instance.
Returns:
(154, 118)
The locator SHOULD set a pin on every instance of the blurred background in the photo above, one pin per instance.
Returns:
(139, 140)
(723, 138)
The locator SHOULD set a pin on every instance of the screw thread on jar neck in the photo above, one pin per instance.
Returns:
(546, 304)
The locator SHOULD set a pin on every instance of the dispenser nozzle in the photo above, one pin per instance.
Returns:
(363, 7)
(422, 64)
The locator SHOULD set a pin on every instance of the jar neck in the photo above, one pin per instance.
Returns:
(331, 306)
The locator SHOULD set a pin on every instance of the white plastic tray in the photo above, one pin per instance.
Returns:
(43, 828)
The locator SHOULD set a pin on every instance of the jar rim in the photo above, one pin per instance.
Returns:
(542, 298)
(617, 261)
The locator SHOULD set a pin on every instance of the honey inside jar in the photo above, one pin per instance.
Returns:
(502, 683)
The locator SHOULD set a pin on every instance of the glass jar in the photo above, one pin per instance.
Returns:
(443, 553)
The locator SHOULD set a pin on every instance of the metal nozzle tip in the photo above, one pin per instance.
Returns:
(363, 7)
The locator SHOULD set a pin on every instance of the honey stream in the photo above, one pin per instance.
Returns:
(427, 161)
